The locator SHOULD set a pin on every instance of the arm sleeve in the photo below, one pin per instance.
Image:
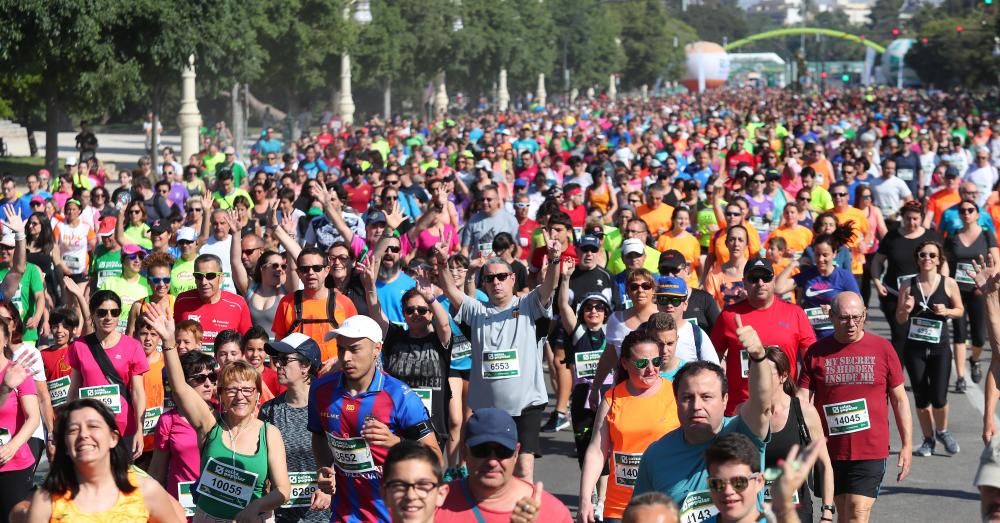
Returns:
(469, 311)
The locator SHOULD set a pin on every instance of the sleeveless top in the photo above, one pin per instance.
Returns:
(129, 508)
(261, 317)
(224, 471)
(923, 308)
(633, 424)
(779, 446)
(600, 197)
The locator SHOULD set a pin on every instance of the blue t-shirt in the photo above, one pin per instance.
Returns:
(461, 346)
(951, 222)
(669, 374)
(687, 475)
(819, 290)
(390, 296)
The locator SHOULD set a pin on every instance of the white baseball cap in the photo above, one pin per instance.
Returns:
(357, 327)
(632, 246)
(186, 234)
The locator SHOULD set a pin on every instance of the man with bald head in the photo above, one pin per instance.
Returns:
(852, 377)
(951, 222)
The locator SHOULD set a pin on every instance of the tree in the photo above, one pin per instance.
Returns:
(384, 48)
(647, 39)
(585, 35)
(717, 24)
(884, 17)
(951, 58)
(66, 44)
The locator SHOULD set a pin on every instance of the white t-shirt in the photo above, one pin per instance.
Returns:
(73, 246)
(889, 194)
(221, 248)
(686, 348)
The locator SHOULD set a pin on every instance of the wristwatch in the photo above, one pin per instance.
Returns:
(831, 508)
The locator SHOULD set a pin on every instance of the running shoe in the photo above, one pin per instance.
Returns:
(976, 369)
(927, 449)
(949, 442)
(557, 421)
(960, 385)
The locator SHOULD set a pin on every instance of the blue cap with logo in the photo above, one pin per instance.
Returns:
(671, 286)
(491, 425)
(591, 241)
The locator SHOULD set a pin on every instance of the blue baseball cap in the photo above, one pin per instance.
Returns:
(671, 286)
(297, 343)
(491, 425)
(590, 240)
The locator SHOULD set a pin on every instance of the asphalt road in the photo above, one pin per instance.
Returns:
(939, 488)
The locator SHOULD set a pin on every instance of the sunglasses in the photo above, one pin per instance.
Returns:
(967, 210)
(839, 194)
(593, 306)
(758, 279)
(277, 266)
(342, 259)
(304, 269)
(107, 313)
(927, 255)
(674, 301)
(248, 252)
(589, 249)
(489, 450)
(642, 363)
(733, 214)
(285, 360)
(136, 256)
(199, 379)
(184, 243)
(416, 310)
(646, 286)
(206, 275)
(739, 483)
(520, 205)
(393, 249)
(502, 276)
(165, 280)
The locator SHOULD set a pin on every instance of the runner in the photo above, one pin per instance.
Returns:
(818, 284)
(735, 479)
(725, 282)
(693, 344)
(413, 486)
(215, 309)
(852, 377)
(637, 411)
(926, 303)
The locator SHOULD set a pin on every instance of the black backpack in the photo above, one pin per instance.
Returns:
(331, 306)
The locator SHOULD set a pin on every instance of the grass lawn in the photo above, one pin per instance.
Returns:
(20, 166)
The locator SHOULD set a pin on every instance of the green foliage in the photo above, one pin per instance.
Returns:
(647, 36)
(585, 32)
(950, 58)
(884, 17)
(717, 24)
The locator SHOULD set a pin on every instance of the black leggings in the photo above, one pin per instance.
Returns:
(973, 321)
(929, 368)
(583, 420)
(865, 283)
(16, 488)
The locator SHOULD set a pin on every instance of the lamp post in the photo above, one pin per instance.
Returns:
(503, 95)
(189, 118)
(345, 105)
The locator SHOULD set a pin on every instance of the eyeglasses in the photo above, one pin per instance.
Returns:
(488, 450)
(967, 210)
(400, 488)
(839, 194)
(501, 276)
(416, 310)
(739, 483)
(733, 214)
(927, 255)
(107, 313)
(277, 266)
(593, 306)
(244, 391)
(305, 269)
(642, 363)
(674, 301)
(635, 286)
(860, 318)
(206, 275)
(164, 280)
(393, 249)
(285, 360)
(199, 379)
(248, 252)
(766, 278)
(136, 256)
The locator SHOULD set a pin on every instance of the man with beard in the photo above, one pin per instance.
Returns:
(392, 283)
(314, 310)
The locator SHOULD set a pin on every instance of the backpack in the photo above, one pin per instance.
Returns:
(331, 306)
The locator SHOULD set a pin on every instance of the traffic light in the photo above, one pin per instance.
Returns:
(959, 29)
(823, 75)
(845, 78)
(988, 2)
(895, 31)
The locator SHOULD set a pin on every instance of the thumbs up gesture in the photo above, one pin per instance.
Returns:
(527, 508)
(749, 339)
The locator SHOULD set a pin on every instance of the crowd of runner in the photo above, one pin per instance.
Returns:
(363, 324)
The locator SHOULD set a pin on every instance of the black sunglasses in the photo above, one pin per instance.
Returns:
(488, 450)
(416, 310)
(198, 379)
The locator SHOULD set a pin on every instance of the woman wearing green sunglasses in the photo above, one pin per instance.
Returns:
(635, 413)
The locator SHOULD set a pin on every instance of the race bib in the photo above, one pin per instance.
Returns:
(106, 394)
(900, 280)
(819, 319)
(847, 417)
(425, 394)
(745, 363)
(461, 349)
(578, 232)
(226, 484)
(925, 329)
(58, 390)
(697, 507)
(500, 364)
(351, 455)
(759, 224)
(963, 273)
(586, 363)
(485, 247)
(185, 498)
(4, 436)
(303, 486)
(904, 174)
(626, 468)
(73, 263)
(767, 493)
(150, 419)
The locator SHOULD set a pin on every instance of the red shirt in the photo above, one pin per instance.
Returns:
(359, 197)
(525, 231)
(851, 385)
(781, 324)
(456, 508)
(54, 361)
(270, 378)
(324, 139)
(578, 216)
(540, 253)
(230, 312)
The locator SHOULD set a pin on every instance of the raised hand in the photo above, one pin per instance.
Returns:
(527, 508)
(395, 216)
(19, 370)
(158, 321)
(566, 268)
(14, 221)
(367, 272)
(425, 288)
(986, 274)
(749, 339)
(233, 219)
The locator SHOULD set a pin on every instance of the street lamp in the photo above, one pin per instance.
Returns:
(345, 105)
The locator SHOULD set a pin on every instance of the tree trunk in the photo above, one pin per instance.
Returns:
(239, 121)
(292, 117)
(52, 135)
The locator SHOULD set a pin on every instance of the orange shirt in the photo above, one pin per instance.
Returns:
(718, 246)
(824, 172)
(724, 288)
(860, 233)
(600, 197)
(688, 246)
(152, 381)
(313, 309)
(656, 219)
(634, 423)
(797, 238)
(940, 202)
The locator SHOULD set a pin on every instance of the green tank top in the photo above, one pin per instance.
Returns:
(229, 480)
